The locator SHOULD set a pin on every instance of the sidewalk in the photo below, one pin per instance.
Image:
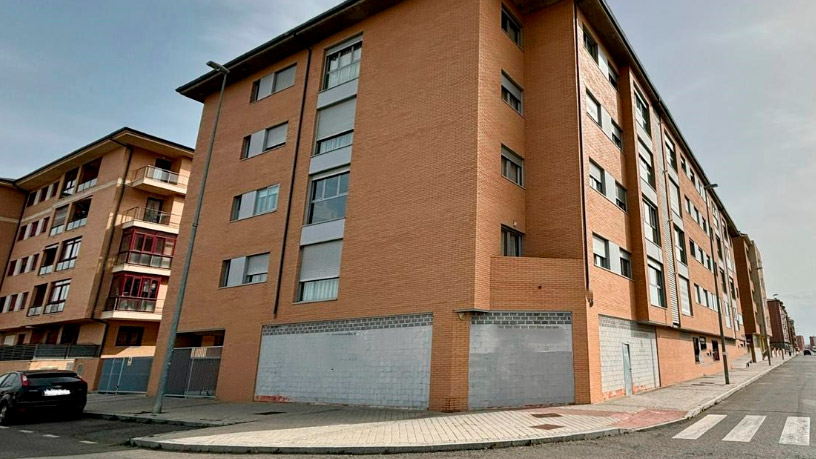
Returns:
(322, 429)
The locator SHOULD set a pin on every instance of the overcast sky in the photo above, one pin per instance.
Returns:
(738, 77)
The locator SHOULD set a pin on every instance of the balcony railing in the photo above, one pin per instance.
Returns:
(85, 185)
(48, 351)
(130, 304)
(144, 259)
(146, 215)
(74, 224)
(46, 269)
(161, 175)
(53, 308)
(35, 311)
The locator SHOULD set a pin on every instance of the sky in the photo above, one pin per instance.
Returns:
(737, 76)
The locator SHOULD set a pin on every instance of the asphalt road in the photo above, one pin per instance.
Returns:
(772, 409)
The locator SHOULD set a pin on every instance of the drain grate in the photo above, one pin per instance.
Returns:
(547, 415)
(547, 427)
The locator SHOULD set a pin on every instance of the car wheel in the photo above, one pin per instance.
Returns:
(5, 414)
(76, 412)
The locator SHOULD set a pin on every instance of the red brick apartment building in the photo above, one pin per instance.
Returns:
(781, 336)
(86, 244)
(450, 205)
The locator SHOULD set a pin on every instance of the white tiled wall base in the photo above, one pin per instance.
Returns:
(375, 362)
(520, 358)
(642, 349)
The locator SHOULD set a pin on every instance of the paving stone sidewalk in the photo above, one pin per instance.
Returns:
(320, 429)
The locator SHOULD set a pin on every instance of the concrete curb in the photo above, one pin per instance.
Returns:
(147, 442)
(362, 450)
(151, 420)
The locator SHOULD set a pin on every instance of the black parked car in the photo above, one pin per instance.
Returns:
(23, 392)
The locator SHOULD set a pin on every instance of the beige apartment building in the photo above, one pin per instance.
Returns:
(450, 205)
(88, 242)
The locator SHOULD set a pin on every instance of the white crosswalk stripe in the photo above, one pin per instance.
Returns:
(746, 429)
(700, 427)
(796, 431)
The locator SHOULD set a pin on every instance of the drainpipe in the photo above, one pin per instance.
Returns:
(581, 147)
(292, 183)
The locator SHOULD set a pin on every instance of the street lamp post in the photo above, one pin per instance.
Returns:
(185, 270)
(717, 293)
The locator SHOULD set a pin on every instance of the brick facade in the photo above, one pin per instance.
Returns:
(427, 201)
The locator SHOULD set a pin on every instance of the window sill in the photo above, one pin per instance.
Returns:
(270, 95)
(613, 272)
(514, 183)
(226, 287)
(521, 114)
(254, 216)
(314, 301)
(324, 221)
(611, 201)
(276, 147)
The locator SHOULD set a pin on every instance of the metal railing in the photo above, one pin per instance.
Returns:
(53, 308)
(158, 217)
(130, 304)
(152, 260)
(48, 351)
(160, 175)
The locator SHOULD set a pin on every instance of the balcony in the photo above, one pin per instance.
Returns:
(159, 181)
(131, 308)
(142, 217)
(48, 351)
(143, 262)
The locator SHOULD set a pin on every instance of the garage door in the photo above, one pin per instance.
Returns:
(641, 373)
(520, 358)
(383, 361)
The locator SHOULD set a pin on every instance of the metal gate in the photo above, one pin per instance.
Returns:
(125, 375)
(194, 371)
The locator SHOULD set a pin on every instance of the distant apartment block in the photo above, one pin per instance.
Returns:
(451, 205)
(781, 336)
(88, 241)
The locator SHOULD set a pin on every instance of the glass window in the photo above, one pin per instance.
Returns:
(343, 65)
(646, 165)
(616, 135)
(620, 196)
(266, 200)
(651, 225)
(685, 295)
(256, 268)
(680, 245)
(656, 289)
(600, 250)
(671, 154)
(60, 215)
(511, 242)
(596, 178)
(69, 255)
(642, 112)
(328, 198)
(511, 27)
(593, 108)
(512, 166)
(129, 336)
(320, 271)
(273, 83)
(511, 94)
(335, 142)
(590, 44)
(275, 136)
(626, 263)
(613, 77)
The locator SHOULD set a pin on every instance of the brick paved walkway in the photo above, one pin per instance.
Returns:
(330, 429)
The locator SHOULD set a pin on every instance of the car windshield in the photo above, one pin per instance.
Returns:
(48, 379)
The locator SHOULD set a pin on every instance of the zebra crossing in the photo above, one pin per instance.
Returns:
(795, 432)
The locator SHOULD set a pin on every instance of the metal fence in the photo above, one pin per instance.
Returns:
(126, 375)
(48, 351)
(194, 371)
